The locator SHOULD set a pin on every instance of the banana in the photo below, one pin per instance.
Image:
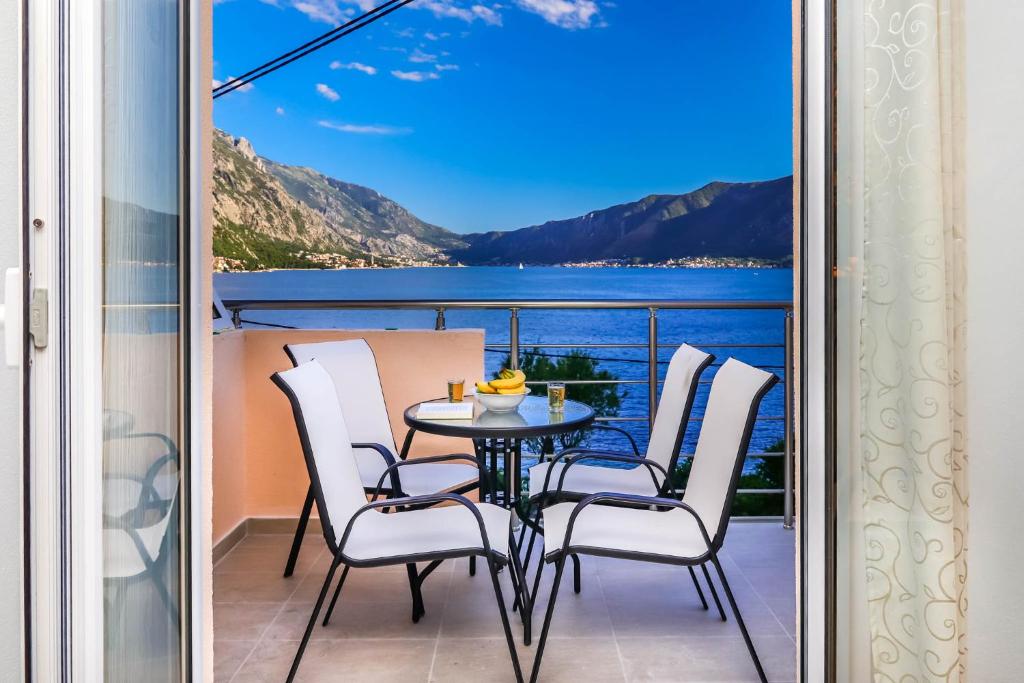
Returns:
(516, 381)
(485, 388)
(505, 374)
(513, 392)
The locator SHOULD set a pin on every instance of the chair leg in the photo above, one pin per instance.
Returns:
(696, 584)
(523, 599)
(417, 596)
(300, 531)
(536, 578)
(337, 592)
(472, 565)
(559, 566)
(739, 619)
(533, 538)
(504, 619)
(576, 579)
(714, 593)
(312, 619)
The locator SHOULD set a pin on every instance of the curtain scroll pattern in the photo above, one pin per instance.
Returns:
(913, 427)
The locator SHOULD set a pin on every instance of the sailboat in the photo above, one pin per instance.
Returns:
(520, 266)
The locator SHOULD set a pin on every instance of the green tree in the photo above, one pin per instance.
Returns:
(577, 364)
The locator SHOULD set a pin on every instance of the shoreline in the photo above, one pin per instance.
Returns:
(731, 265)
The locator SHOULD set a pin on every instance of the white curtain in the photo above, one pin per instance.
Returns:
(912, 427)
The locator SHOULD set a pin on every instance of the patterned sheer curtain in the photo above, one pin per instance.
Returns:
(912, 446)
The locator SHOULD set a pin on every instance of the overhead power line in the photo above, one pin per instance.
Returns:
(301, 51)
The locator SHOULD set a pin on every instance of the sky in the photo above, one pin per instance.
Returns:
(480, 115)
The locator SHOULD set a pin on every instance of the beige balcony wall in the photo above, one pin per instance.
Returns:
(258, 471)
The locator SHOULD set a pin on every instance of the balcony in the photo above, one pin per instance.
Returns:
(631, 622)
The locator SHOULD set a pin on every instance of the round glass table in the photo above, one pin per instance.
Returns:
(499, 436)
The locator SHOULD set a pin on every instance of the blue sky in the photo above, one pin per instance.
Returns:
(480, 115)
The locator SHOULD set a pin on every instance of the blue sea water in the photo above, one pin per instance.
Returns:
(707, 329)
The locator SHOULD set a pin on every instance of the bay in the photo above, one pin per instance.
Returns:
(712, 330)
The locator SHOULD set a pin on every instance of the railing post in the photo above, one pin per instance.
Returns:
(788, 503)
(652, 366)
(513, 338)
(439, 323)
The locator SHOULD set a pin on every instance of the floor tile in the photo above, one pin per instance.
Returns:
(228, 657)
(243, 621)
(355, 660)
(594, 660)
(705, 659)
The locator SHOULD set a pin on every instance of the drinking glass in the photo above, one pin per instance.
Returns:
(455, 390)
(556, 397)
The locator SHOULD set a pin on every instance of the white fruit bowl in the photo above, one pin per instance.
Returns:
(500, 403)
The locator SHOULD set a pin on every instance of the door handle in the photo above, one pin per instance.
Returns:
(10, 317)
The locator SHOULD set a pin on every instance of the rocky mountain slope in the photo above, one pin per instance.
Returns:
(743, 220)
(268, 214)
(272, 215)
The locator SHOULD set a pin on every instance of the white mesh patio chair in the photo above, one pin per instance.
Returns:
(390, 531)
(136, 544)
(687, 532)
(353, 368)
(576, 472)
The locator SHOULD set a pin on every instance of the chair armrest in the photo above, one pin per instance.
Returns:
(567, 453)
(392, 470)
(417, 501)
(620, 430)
(651, 466)
(632, 499)
(383, 451)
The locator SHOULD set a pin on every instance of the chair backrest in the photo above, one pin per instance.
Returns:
(326, 446)
(736, 394)
(675, 404)
(353, 367)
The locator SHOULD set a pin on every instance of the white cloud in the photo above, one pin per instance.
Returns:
(448, 9)
(327, 11)
(242, 88)
(405, 33)
(279, 111)
(355, 66)
(431, 36)
(446, 67)
(571, 14)
(327, 92)
(415, 76)
(418, 56)
(362, 129)
(487, 15)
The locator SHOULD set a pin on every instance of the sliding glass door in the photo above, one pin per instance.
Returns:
(144, 340)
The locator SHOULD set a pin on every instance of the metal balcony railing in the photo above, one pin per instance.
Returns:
(652, 346)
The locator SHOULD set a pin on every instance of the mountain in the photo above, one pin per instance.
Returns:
(268, 214)
(739, 220)
(272, 215)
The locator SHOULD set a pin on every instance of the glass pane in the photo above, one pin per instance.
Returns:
(142, 385)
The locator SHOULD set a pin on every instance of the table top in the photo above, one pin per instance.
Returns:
(531, 419)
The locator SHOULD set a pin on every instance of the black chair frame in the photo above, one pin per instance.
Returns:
(571, 456)
(395, 490)
(663, 504)
(495, 560)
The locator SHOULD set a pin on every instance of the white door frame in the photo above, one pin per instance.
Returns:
(64, 247)
(816, 515)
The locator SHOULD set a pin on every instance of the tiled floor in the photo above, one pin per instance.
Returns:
(632, 622)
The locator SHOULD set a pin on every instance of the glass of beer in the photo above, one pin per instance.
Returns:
(456, 387)
(556, 397)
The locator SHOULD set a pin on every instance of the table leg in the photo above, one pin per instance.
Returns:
(407, 444)
(509, 451)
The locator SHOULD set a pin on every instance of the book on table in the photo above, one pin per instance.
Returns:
(445, 411)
